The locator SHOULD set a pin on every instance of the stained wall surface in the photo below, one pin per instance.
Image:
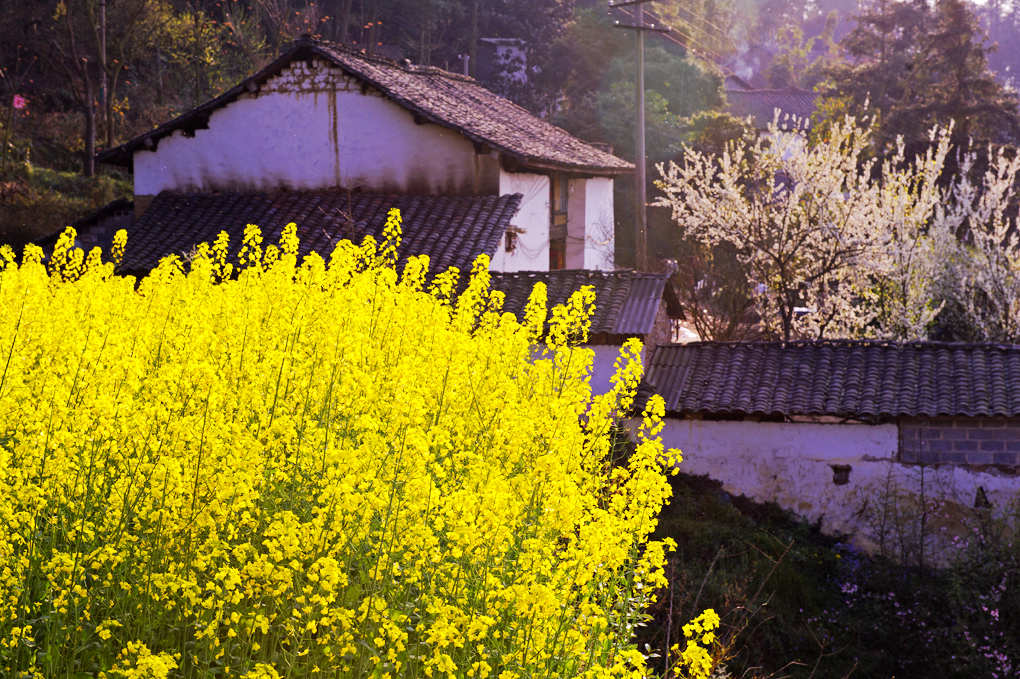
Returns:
(797, 466)
(313, 127)
(529, 250)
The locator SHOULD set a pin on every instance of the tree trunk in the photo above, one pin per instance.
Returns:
(421, 45)
(343, 34)
(197, 66)
(76, 65)
(473, 44)
(104, 77)
(160, 90)
(89, 161)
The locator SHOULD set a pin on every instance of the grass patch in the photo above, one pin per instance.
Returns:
(38, 201)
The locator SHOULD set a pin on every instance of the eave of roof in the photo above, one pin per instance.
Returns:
(862, 380)
(626, 302)
(451, 230)
(307, 49)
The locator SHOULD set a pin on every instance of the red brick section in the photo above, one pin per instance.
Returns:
(961, 440)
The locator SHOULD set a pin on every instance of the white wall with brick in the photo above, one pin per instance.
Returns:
(961, 440)
(793, 464)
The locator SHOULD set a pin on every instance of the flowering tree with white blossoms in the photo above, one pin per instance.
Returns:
(913, 249)
(987, 263)
(817, 227)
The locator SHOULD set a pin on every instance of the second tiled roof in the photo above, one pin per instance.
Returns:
(626, 302)
(452, 230)
(850, 379)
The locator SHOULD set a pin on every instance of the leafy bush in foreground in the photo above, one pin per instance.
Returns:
(311, 470)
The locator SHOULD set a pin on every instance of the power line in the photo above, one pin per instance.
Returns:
(719, 32)
(689, 44)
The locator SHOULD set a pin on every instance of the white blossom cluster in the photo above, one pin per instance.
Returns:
(835, 245)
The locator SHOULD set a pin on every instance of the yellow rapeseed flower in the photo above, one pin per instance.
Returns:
(304, 467)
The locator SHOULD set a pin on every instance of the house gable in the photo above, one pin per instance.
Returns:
(449, 100)
(312, 127)
(324, 117)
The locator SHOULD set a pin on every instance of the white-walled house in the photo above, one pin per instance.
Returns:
(851, 434)
(323, 118)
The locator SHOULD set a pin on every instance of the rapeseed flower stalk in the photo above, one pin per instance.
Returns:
(284, 469)
(695, 660)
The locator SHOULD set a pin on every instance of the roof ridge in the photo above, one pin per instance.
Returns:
(277, 191)
(407, 65)
(592, 272)
(923, 344)
(772, 90)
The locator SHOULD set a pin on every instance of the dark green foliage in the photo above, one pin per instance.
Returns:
(800, 604)
(37, 201)
(802, 61)
(597, 75)
(675, 87)
(762, 571)
(912, 65)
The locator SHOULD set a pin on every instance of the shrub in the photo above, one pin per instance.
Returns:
(796, 603)
(293, 469)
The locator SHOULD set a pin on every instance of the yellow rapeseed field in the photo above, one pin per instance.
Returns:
(302, 469)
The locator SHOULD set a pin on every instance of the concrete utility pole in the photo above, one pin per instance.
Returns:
(640, 162)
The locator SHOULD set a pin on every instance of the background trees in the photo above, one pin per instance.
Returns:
(833, 244)
(913, 64)
(96, 72)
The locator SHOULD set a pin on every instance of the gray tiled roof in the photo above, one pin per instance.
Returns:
(97, 228)
(452, 230)
(625, 301)
(448, 99)
(761, 104)
(852, 379)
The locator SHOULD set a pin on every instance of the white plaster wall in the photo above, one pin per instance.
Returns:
(602, 366)
(598, 223)
(604, 355)
(312, 128)
(576, 218)
(532, 221)
(789, 464)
